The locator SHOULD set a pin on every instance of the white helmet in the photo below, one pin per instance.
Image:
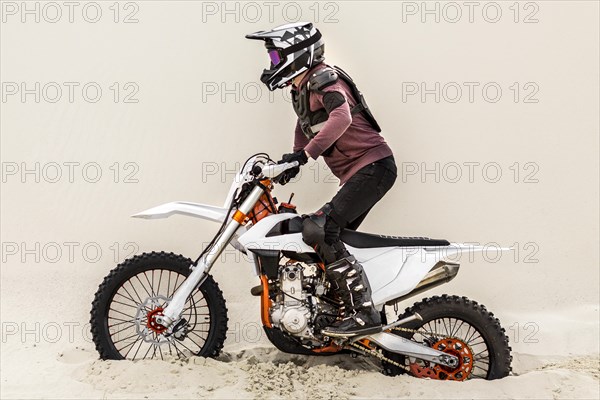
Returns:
(293, 49)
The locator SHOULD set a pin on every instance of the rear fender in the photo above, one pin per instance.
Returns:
(399, 270)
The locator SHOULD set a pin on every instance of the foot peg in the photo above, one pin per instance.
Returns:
(364, 322)
(256, 290)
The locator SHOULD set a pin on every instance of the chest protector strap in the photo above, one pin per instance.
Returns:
(311, 122)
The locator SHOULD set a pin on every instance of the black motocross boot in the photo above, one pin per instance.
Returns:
(362, 318)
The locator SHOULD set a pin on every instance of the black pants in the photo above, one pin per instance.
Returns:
(350, 206)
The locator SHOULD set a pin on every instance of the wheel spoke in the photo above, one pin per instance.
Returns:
(176, 286)
(477, 366)
(139, 347)
(117, 311)
(445, 327)
(121, 330)
(130, 295)
(143, 286)
(457, 329)
(125, 338)
(132, 346)
(122, 320)
(126, 297)
(148, 351)
(152, 294)
(135, 291)
(160, 352)
(473, 334)
(159, 279)
(124, 304)
(169, 286)
(192, 340)
(482, 351)
(201, 337)
(179, 353)
(476, 344)
(191, 351)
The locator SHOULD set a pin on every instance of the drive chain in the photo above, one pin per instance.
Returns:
(379, 355)
(374, 353)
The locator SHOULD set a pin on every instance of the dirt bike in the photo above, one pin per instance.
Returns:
(159, 303)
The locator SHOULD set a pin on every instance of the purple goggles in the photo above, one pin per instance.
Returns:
(275, 57)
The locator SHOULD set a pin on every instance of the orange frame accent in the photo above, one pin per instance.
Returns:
(332, 348)
(265, 302)
(239, 216)
(260, 210)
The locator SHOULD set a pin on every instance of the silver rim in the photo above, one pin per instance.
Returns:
(131, 315)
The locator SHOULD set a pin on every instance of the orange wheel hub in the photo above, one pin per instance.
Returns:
(152, 324)
(454, 347)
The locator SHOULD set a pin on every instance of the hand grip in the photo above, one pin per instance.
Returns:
(273, 170)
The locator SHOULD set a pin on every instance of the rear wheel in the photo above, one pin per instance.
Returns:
(458, 326)
(136, 292)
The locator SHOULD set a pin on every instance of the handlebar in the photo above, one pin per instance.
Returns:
(273, 170)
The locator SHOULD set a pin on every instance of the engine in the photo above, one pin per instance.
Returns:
(300, 307)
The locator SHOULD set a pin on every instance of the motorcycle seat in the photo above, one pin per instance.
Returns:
(362, 240)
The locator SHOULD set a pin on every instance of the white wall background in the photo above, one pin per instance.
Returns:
(182, 138)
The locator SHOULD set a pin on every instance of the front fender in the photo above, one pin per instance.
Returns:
(204, 211)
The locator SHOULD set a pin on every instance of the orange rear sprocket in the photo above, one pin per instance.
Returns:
(452, 346)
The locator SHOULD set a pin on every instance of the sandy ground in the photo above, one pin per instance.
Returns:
(264, 372)
(50, 361)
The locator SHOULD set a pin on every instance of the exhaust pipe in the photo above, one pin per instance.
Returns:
(441, 273)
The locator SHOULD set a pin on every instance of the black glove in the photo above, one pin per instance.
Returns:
(299, 156)
(287, 176)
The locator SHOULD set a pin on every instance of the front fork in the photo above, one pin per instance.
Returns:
(199, 272)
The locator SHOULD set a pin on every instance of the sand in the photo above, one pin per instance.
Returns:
(264, 372)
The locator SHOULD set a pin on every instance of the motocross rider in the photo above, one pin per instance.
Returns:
(334, 122)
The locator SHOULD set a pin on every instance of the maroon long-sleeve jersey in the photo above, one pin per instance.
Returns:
(355, 142)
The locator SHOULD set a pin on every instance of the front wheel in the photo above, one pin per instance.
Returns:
(125, 307)
(458, 326)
